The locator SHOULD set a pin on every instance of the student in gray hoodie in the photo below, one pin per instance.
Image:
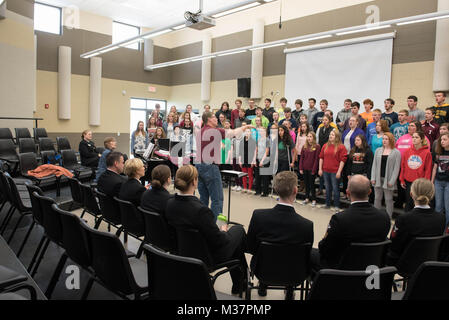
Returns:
(344, 114)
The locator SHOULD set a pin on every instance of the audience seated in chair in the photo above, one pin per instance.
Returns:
(422, 221)
(111, 181)
(133, 189)
(155, 199)
(88, 152)
(280, 224)
(361, 222)
(185, 211)
(110, 144)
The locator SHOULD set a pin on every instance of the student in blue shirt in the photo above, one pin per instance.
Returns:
(371, 128)
(400, 128)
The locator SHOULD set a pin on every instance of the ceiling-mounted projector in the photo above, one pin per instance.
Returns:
(198, 21)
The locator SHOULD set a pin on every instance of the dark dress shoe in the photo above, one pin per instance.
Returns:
(262, 291)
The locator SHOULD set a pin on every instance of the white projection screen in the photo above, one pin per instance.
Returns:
(333, 72)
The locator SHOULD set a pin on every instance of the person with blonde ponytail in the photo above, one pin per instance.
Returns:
(421, 221)
(186, 211)
(156, 197)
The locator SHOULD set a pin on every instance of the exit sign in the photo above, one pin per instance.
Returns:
(151, 89)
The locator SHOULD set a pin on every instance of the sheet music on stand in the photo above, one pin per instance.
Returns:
(148, 152)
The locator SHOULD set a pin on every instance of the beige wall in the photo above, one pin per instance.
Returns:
(114, 105)
(17, 69)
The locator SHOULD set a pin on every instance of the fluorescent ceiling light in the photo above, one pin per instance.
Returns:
(269, 46)
(109, 49)
(179, 27)
(229, 53)
(310, 39)
(363, 30)
(224, 13)
(155, 34)
(422, 20)
(159, 66)
(92, 55)
(203, 58)
(267, 1)
(176, 63)
(130, 42)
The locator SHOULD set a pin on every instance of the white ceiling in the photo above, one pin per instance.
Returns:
(144, 13)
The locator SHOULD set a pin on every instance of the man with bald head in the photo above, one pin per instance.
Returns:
(360, 222)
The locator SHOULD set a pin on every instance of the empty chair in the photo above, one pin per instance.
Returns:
(9, 154)
(22, 133)
(10, 282)
(70, 162)
(77, 194)
(281, 266)
(112, 267)
(49, 157)
(420, 250)
(23, 207)
(63, 144)
(444, 249)
(27, 145)
(36, 212)
(110, 211)
(6, 134)
(46, 144)
(167, 283)
(157, 231)
(52, 231)
(39, 133)
(132, 221)
(5, 190)
(90, 204)
(358, 256)
(430, 282)
(74, 241)
(352, 285)
(190, 243)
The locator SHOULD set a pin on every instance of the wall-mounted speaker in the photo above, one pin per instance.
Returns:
(244, 87)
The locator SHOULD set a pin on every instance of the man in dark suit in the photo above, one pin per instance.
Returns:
(280, 224)
(361, 222)
(110, 181)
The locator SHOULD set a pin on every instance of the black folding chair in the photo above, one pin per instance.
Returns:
(110, 210)
(281, 266)
(22, 133)
(77, 194)
(444, 249)
(157, 231)
(332, 284)
(70, 162)
(359, 256)
(430, 282)
(9, 154)
(112, 268)
(46, 144)
(167, 283)
(10, 282)
(35, 210)
(76, 247)
(5, 190)
(90, 204)
(22, 207)
(27, 162)
(132, 222)
(191, 243)
(27, 145)
(6, 134)
(39, 133)
(63, 144)
(420, 250)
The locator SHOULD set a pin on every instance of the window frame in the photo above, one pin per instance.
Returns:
(60, 17)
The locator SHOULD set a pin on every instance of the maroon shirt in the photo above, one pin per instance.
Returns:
(206, 139)
(234, 116)
(309, 159)
(431, 130)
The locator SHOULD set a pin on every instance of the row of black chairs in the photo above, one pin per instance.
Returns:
(5, 133)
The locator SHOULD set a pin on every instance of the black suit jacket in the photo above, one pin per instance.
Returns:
(88, 153)
(132, 191)
(280, 224)
(416, 223)
(110, 182)
(361, 222)
(188, 212)
(155, 200)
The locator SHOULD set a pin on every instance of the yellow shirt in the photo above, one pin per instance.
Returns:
(281, 113)
(333, 125)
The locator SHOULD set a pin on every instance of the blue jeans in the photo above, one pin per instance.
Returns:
(210, 185)
(442, 197)
(332, 185)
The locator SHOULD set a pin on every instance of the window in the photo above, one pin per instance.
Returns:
(47, 18)
(122, 31)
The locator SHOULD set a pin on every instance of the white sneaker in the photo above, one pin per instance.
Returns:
(239, 188)
(304, 202)
(313, 204)
(234, 188)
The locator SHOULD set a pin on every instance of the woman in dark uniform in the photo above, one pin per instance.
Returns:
(88, 152)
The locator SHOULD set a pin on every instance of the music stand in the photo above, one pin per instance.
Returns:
(232, 175)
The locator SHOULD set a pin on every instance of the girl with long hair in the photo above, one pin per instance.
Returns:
(139, 138)
(285, 145)
(308, 166)
(440, 175)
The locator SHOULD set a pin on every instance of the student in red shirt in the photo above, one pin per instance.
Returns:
(308, 166)
(430, 127)
(416, 163)
(333, 156)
